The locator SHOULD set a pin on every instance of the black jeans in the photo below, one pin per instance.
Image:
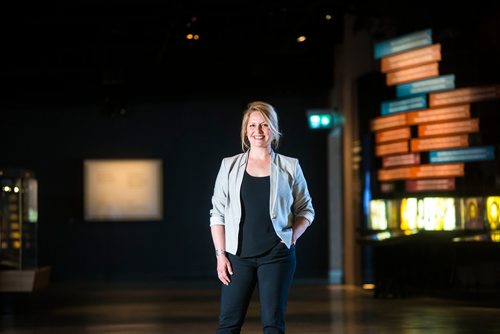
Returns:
(273, 272)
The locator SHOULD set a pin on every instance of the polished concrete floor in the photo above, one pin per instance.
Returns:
(191, 308)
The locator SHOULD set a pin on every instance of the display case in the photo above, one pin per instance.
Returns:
(431, 170)
(19, 269)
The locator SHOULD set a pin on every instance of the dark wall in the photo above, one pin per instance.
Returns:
(191, 136)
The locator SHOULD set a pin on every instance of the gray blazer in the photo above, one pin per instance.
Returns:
(289, 197)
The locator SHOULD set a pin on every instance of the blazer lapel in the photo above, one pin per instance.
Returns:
(273, 193)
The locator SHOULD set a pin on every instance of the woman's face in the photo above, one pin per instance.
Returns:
(258, 132)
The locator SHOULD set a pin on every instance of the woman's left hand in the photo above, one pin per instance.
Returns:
(299, 227)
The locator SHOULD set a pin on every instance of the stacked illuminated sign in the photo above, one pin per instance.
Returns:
(423, 136)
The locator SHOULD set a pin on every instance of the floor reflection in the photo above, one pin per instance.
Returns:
(192, 309)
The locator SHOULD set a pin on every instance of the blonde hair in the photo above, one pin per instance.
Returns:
(267, 111)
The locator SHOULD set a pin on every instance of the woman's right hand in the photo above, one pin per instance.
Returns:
(224, 269)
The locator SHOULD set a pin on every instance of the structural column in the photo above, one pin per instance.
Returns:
(353, 58)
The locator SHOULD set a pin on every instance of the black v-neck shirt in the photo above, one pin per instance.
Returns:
(257, 235)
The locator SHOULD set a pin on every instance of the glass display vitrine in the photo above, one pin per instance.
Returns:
(18, 219)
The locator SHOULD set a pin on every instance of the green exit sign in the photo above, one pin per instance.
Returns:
(320, 121)
(324, 119)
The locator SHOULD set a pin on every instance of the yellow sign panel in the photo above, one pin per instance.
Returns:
(428, 213)
(409, 207)
(378, 215)
(493, 212)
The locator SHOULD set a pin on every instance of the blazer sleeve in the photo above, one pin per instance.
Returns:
(219, 198)
(302, 203)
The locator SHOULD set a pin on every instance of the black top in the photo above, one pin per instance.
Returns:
(257, 234)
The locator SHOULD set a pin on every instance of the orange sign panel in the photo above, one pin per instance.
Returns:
(401, 160)
(439, 114)
(387, 122)
(392, 135)
(464, 95)
(412, 74)
(437, 170)
(430, 184)
(399, 173)
(427, 171)
(428, 54)
(392, 148)
(427, 144)
(439, 129)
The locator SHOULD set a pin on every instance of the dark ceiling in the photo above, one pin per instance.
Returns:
(81, 50)
(75, 49)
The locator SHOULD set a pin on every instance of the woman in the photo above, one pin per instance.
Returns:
(261, 206)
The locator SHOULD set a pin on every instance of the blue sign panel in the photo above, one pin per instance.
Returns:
(443, 82)
(404, 43)
(412, 103)
(479, 153)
